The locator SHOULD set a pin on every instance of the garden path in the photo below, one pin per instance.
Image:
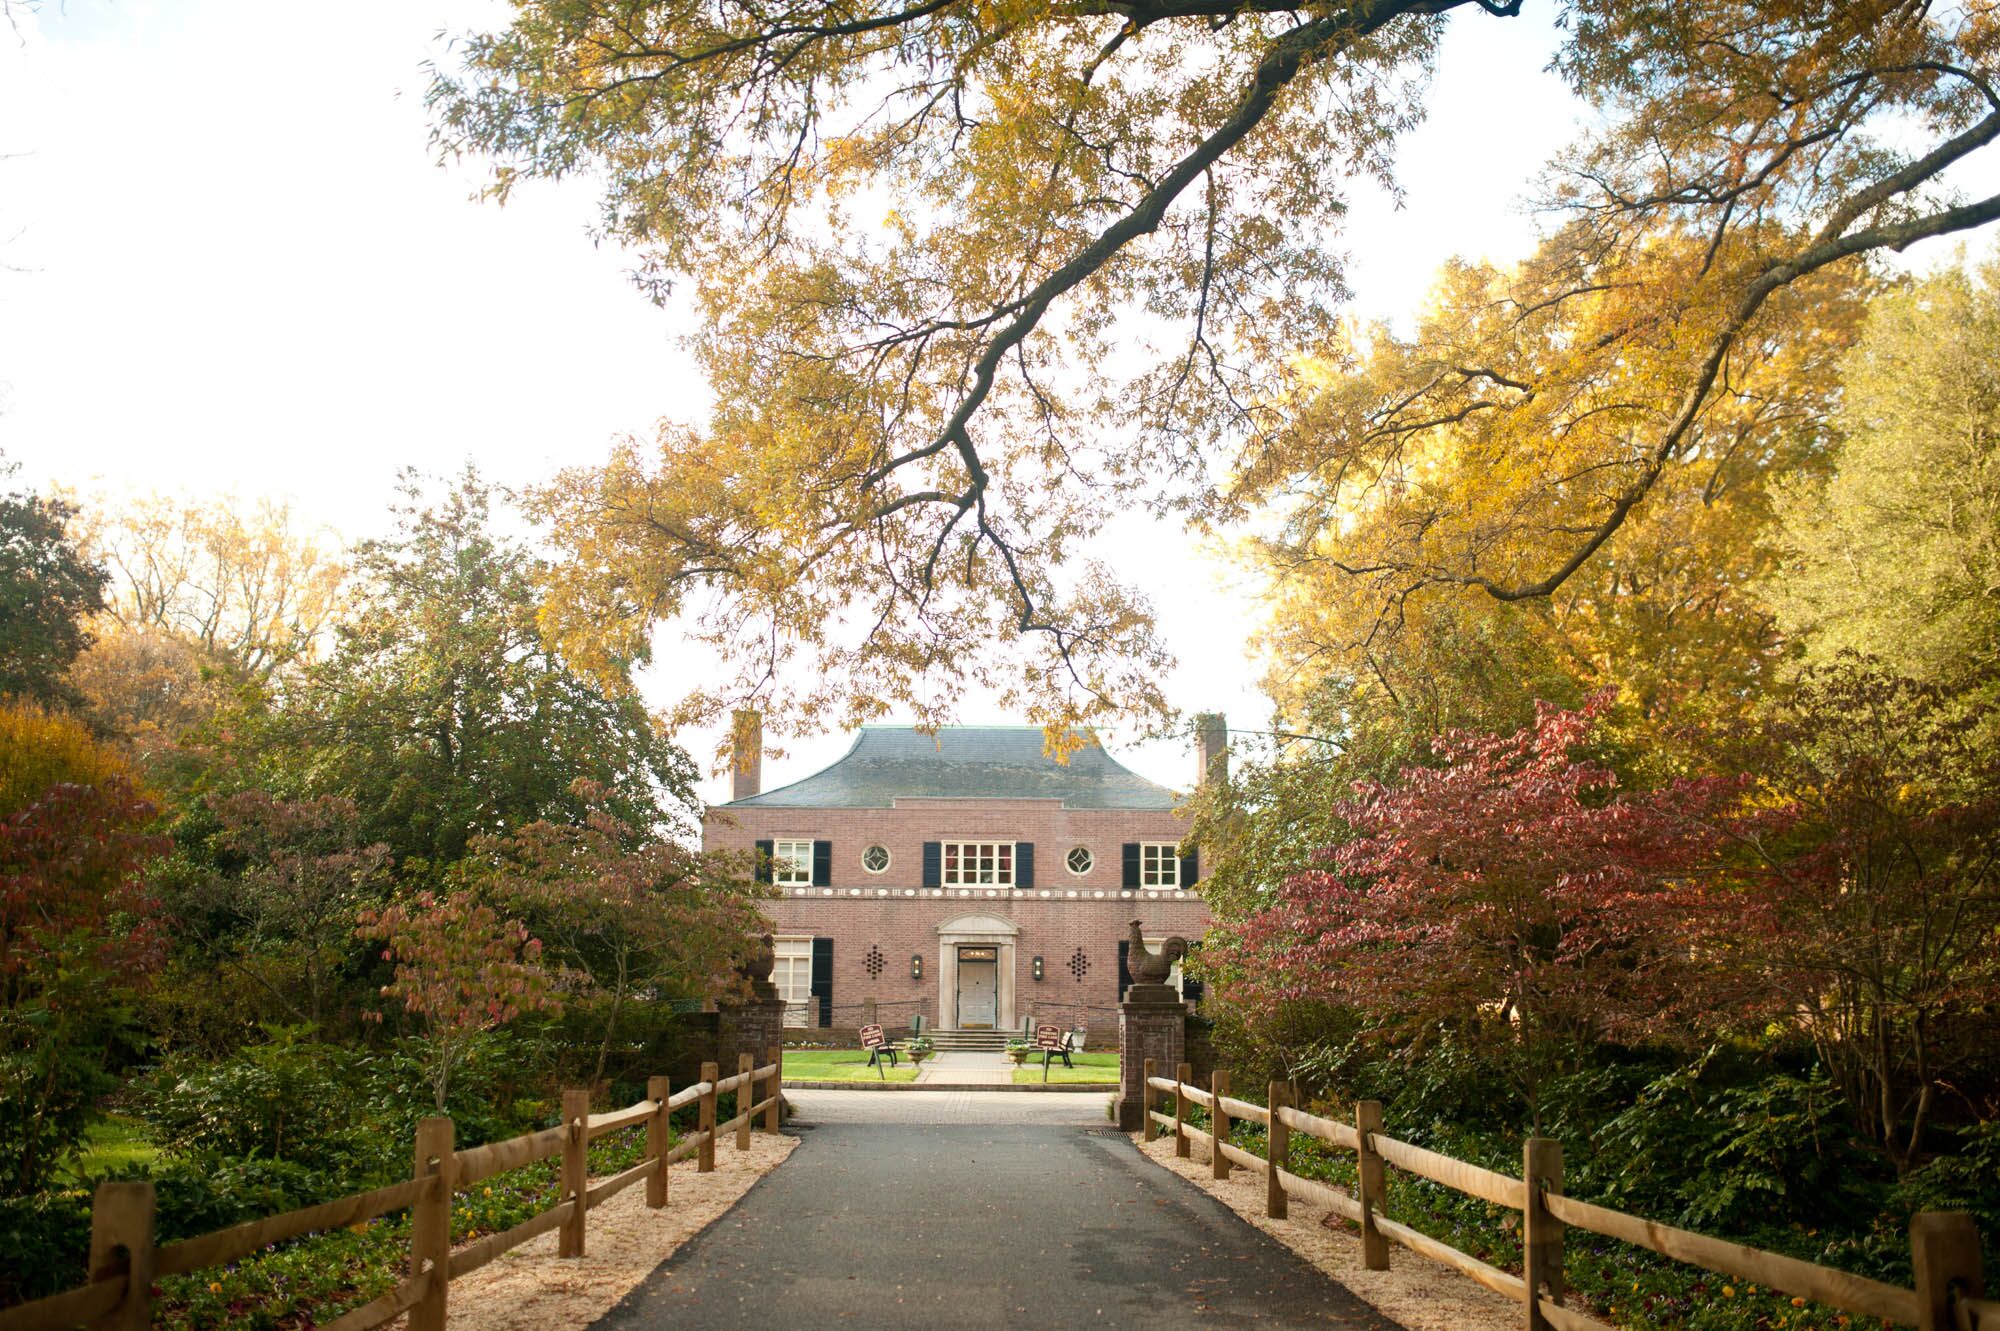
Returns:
(978, 1209)
(966, 1067)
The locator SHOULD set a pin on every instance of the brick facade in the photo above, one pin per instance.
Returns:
(878, 922)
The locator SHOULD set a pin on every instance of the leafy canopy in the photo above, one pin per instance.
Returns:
(974, 275)
(48, 591)
(443, 713)
(1897, 555)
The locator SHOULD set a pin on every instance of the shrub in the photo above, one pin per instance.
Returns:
(288, 1099)
(40, 750)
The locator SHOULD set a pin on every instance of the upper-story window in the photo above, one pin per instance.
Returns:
(792, 863)
(1079, 860)
(978, 863)
(1159, 864)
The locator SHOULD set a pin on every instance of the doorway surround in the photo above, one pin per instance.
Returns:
(983, 930)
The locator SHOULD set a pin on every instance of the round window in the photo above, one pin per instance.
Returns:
(1079, 860)
(875, 859)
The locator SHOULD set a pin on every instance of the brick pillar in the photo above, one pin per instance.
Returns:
(748, 1028)
(1150, 1025)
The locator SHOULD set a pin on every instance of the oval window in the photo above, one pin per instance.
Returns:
(875, 859)
(1079, 860)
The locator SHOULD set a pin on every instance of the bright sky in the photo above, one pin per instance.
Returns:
(228, 263)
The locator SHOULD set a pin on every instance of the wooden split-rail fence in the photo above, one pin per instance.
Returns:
(125, 1261)
(1944, 1246)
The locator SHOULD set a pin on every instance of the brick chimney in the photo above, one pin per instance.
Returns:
(746, 754)
(1211, 747)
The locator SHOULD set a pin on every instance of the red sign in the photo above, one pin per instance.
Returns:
(871, 1037)
(1048, 1037)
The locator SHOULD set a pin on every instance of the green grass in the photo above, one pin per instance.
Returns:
(115, 1142)
(1091, 1068)
(840, 1065)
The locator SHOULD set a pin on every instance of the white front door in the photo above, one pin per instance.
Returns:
(978, 994)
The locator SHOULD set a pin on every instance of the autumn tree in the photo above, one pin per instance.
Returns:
(1510, 894)
(461, 970)
(1896, 556)
(1108, 264)
(76, 932)
(1409, 462)
(243, 583)
(628, 913)
(153, 691)
(49, 590)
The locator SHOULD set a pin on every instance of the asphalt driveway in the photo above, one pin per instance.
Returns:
(1002, 1223)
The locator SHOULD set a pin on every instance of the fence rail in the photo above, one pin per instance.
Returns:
(1944, 1246)
(124, 1261)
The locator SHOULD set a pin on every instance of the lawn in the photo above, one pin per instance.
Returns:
(115, 1142)
(840, 1065)
(1092, 1068)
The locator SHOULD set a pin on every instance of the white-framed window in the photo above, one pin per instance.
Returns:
(792, 973)
(792, 863)
(1079, 860)
(1159, 864)
(978, 863)
(875, 859)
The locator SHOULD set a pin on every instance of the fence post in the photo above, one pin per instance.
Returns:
(121, 1218)
(746, 1095)
(1277, 1153)
(658, 1090)
(1218, 1123)
(430, 1222)
(705, 1156)
(1541, 1233)
(1183, 1148)
(1370, 1181)
(575, 1170)
(774, 1087)
(1944, 1250)
(1151, 1130)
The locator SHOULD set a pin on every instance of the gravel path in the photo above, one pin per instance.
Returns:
(979, 1210)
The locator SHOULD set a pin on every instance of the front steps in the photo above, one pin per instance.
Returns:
(984, 1042)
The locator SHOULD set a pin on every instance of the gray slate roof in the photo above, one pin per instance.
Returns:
(965, 762)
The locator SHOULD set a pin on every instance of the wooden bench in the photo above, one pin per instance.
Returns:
(1054, 1042)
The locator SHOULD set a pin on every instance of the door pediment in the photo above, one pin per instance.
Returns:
(977, 928)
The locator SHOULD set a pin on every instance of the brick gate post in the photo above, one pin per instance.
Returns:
(1152, 1023)
(757, 1024)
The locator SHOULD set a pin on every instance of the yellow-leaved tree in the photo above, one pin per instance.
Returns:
(974, 275)
(1425, 479)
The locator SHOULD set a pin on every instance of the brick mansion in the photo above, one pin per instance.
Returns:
(966, 875)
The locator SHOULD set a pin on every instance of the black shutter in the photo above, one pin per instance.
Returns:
(933, 864)
(1024, 864)
(1131, 864)
(822, 978)
(822, 864)
(1191, 867)
(765, 850)
(1124, 971)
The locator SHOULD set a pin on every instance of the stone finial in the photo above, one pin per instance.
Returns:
(756, 967)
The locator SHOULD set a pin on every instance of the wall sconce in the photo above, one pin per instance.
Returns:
(916, 965)
(1038, 970)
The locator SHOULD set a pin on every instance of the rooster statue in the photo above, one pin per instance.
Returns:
(1153, 967)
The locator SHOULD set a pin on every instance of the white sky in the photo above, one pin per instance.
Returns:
(229, 264)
